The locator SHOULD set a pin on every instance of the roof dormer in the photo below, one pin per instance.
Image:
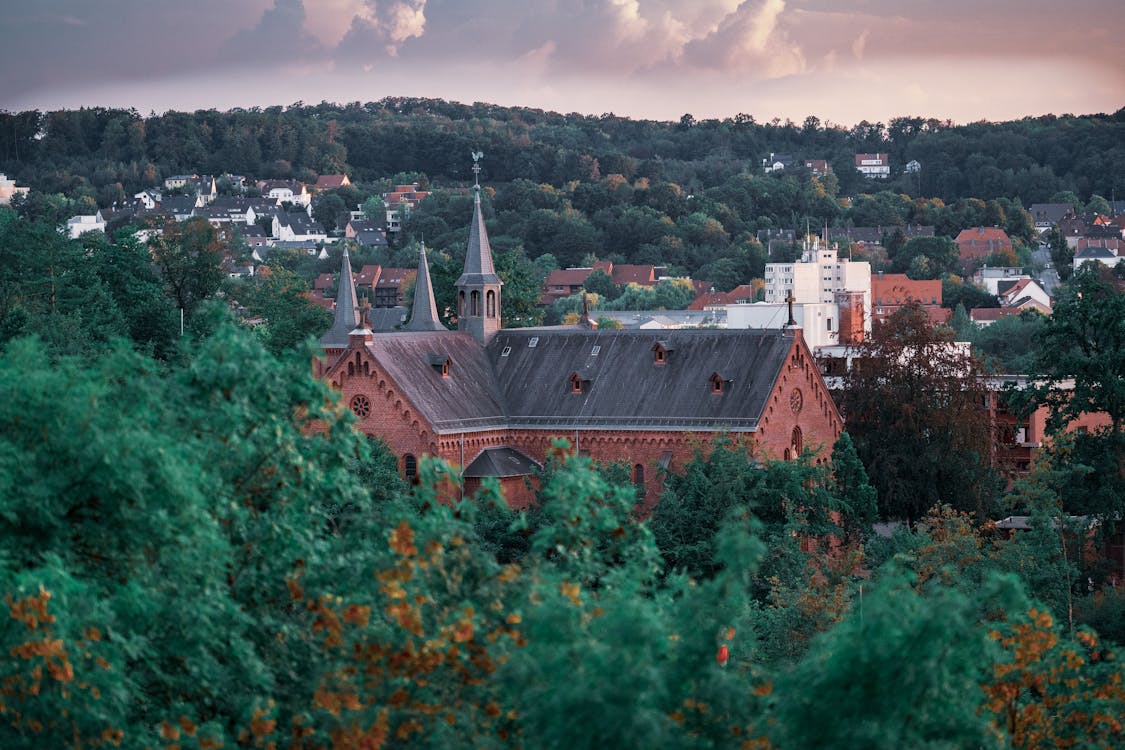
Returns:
(660, 351)
(578, 384)
(440, 363)
(719, 384)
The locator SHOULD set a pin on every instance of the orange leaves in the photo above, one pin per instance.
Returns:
(571, 591)
(357, 615)
(334, 701)
(31, 610)
(402, 540)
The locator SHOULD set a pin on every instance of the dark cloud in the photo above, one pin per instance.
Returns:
(280, 36)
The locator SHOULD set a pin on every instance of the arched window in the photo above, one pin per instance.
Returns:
(639, 478)
(490, 303)
(798, 442)
(474, 303)
(410, 468)
(461, 304)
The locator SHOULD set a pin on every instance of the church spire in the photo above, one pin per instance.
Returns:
(478, 289)
(424, 316)
(345, 318)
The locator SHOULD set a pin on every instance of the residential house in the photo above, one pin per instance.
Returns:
(977, 243)
(402, 200)
(877, 166)
(1107, 256)
(365, 232)
(9, 189)
(819, 167)
(777, 162)
(76, 226)
(892, 291)
(327, 182)
(1024, 294)
(286, 191)
(1048, 215)
(289, 226)
(565, 282)
(989, 277)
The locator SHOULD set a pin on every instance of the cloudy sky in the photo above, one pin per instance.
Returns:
(840, 60)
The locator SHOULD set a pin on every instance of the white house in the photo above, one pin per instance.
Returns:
(76, 226)
(873, 165)
(1093, 254)
(819, 321)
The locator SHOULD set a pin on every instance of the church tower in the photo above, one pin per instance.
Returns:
(424, 315)
(345, 317)
(478, 289)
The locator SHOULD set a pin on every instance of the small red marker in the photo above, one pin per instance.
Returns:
(723, 656)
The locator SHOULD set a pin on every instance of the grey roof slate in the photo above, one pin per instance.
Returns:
(501, 461)
(345, 317)
(424, 316)
(478, 258)
(627, 388)
(467, 399)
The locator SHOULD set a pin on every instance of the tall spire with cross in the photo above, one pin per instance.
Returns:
(478, 288)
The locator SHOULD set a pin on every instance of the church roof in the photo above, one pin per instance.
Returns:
(424, 316)
(623, 385)
(466, 399)
(478, 258)
(345, 319)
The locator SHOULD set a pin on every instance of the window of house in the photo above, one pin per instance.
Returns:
(798, 441)
(410, 468)
(474, 303)
(490, 304)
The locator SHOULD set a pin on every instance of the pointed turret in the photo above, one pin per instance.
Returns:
(478, 289)
(346, 315)
(424, 316)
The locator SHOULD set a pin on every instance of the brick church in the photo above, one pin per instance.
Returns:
(493, 400)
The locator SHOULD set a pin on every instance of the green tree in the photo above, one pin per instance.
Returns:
(913, 404)
(189, 255)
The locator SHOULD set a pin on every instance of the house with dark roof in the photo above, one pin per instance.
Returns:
(493, 401)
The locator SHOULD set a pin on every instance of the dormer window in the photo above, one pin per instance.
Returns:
(660, 351)
(577, 384)
(440, 363)
(718, 383)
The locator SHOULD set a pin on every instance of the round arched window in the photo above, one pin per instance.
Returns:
(361, 406)
(798, 442)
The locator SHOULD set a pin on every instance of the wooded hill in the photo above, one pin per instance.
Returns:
(94, 150)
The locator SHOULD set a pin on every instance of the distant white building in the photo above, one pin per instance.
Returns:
(817, 278)
(819, 321)
(76, 226)
(873, 165)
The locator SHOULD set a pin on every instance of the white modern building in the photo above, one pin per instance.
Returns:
(819, 321)
(817, 278)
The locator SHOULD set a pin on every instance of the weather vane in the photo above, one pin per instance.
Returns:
(477, 156)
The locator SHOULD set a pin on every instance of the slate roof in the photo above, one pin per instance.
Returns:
(424, 316)
(478, 257)
(467, 399)
(501, 462)
(346, 316)
(626, 388)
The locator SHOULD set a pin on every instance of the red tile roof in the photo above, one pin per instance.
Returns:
(710, 299)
